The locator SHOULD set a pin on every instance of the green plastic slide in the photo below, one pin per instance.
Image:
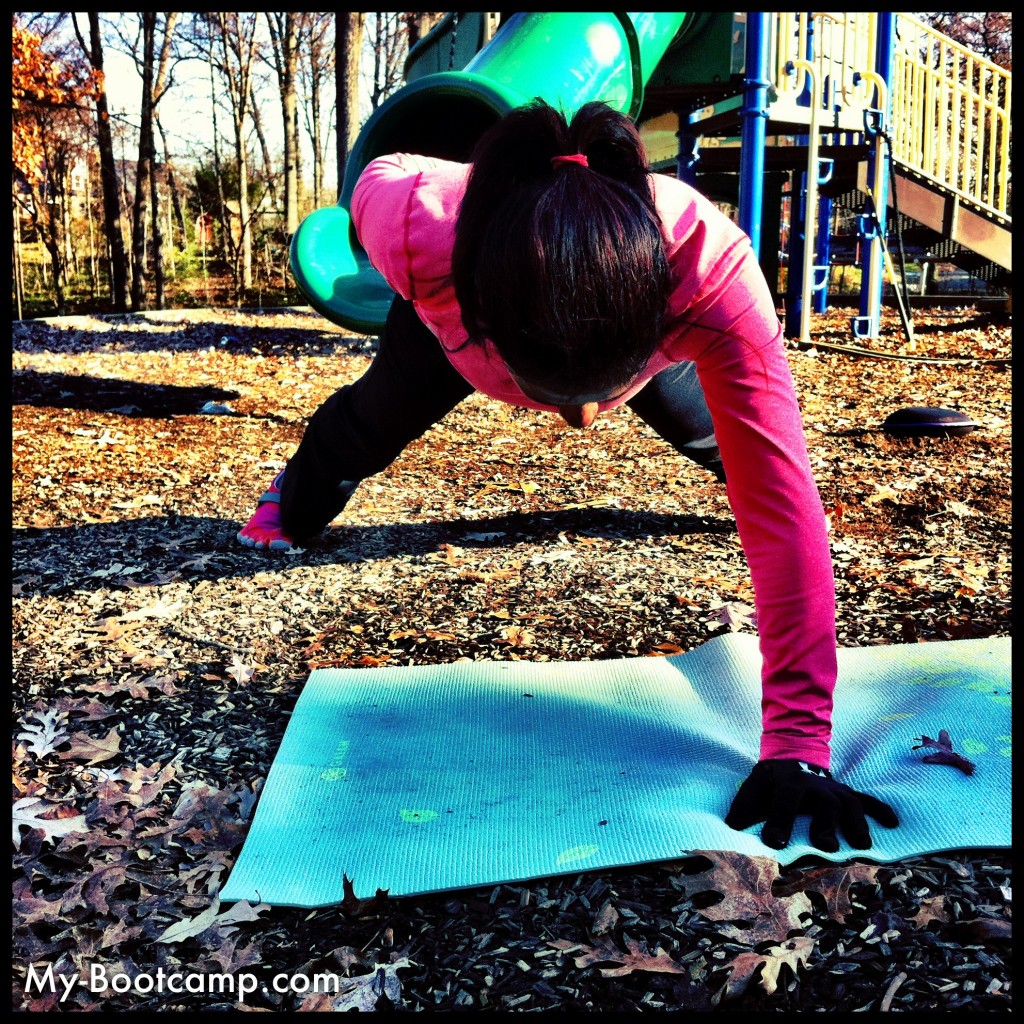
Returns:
(567, 59)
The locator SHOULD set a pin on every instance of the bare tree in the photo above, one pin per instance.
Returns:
(160, 84)
(108, 167)
(387, 35)
(284, 42)
(172, 182)
(349, 27)
(232, 50)
(986, 32)
(317, 40)
(269, 174)
(419, 23)
(154, 70)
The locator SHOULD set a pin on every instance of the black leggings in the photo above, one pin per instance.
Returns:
(410, 385)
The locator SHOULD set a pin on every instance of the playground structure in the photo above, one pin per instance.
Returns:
(874, 113)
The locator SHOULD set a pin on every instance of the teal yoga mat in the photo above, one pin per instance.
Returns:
(439, 777)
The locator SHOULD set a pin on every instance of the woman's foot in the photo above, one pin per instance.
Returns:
(264, 528)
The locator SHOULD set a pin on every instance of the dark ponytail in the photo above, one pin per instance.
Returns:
(562, 267)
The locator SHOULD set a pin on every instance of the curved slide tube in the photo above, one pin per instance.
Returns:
(566, 59)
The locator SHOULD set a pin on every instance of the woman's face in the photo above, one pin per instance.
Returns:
(578, 410)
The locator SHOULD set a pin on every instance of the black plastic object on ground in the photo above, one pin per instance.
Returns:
(922, 421)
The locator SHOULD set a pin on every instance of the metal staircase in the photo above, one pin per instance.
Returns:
(949, 131)
(948, 134)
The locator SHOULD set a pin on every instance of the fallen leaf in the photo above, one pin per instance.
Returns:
(188, 927)
(833, 882)
(746, 883)
(792, 953)
(158, 610)
(134, 686)
(239, 913)
(734, 614)
(605, 919)
(44, 731)
(946, 754)
(931, 909)
(517, 636)
(958, 508)
(982, 930)
(635, 959)
(668, 649)
(352, 905)
(363, 992)
(27, 813)
(92, 750)
(239, 671)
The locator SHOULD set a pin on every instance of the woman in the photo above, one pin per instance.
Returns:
(555, 272)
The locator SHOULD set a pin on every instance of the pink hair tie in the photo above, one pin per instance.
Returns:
(572, 158)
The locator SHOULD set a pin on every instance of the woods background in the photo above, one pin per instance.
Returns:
(115, 210)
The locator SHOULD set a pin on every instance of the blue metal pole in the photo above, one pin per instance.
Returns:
(823, 257)
(752, 137)
(688, 155)
(868, 324)
(795, 262)
(798, 212)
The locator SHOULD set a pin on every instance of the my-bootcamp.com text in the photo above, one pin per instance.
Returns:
(99, 982)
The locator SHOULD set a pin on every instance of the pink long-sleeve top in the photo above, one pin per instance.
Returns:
(722, 317)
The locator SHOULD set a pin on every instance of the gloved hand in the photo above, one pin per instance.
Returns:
(777, 790)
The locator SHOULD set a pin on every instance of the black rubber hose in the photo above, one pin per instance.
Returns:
(854, 350)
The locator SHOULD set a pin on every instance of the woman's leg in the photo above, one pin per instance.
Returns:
(673, 404)
(363, 427)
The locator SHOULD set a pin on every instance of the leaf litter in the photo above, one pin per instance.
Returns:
(155, 664)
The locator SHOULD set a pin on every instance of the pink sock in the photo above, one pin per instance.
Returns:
(264, 529)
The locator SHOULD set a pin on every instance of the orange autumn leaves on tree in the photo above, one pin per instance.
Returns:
(39, 82)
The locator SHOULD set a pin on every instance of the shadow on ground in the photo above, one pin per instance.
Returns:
(247, 332)
(156, 550)
(106, 394)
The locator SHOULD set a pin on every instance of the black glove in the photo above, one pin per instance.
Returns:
(777, 790)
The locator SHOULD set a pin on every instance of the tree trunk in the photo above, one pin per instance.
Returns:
(284, 37)
(227, 237)
(268, 163)
(172, 184)
(142, 171)
(159, 86)
(108, 172)
(316, 55)
(349, 34)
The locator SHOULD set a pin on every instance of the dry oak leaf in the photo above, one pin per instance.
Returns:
(792, 952)
(239, 913)
(135, 686)
(833, 882)
(983, 929)
(44, 731)
(188, 927)
(946, 754)
(233, 959)
(93, 750)
(239, 671)
(605, 919)
(362, 992)
(517, 636)
(932, 909)
(734, 614)
(746, 883)
(27, 813)
(636, 959)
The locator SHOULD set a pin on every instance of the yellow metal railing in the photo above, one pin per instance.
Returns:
(950, 107)
(843, 44)
(951, 116)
